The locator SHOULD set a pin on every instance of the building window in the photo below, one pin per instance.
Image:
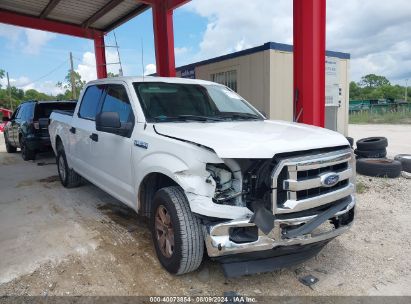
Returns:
(228, 79)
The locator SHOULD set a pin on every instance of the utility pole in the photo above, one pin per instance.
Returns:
(73, 81)
(9, 91)
(406, 88)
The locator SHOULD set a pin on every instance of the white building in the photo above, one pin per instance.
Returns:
(264, 76)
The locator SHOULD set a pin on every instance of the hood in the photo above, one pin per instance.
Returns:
(253, 139)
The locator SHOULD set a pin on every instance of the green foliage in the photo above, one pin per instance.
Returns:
(369, 117)
(374, 81)
(18, 95)
(66, 84)
(2, 73)
(374, 86)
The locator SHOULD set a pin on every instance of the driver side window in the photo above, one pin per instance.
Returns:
(14, 116)
(116, 100)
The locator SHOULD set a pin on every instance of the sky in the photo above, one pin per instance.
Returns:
(376, 33)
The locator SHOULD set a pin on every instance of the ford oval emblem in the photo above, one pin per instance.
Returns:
(329, 179)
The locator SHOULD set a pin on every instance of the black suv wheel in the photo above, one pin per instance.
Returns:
(26, 152)
(9, 147)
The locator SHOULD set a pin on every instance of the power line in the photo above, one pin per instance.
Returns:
(44, 76)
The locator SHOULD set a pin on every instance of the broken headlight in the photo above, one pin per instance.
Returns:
(228, 185)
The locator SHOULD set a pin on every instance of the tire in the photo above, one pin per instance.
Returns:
(186, 254)
(351, 141)
(371, 154)
(378, 167)
(405, 160)
(9, 147)
(68, 177)
(372, 143)
(26, 153)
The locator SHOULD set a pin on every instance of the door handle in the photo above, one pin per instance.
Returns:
(72, 130)
(94, 137)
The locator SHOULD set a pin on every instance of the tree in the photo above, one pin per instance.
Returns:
(373, 81)
(66, 84)
(33, 94)
(2, 73)
(355, 90)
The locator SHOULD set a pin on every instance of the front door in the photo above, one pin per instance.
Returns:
(81, 139)
(112, 152)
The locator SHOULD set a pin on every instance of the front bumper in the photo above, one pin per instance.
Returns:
(219, 242)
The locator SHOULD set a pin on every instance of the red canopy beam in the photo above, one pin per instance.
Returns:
(100, 53)
(47, 25)
(164, 34)
(309, 61)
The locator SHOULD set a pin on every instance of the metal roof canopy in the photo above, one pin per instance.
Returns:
(100, 15)
(93, 19)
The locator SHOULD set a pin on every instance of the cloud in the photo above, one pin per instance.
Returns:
(28, 40)
(87, 67)
(25, 83)
(36, 40)
(376, 33)
(150, 69)
(232, 27)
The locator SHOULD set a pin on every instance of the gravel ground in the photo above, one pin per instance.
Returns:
(57, 241)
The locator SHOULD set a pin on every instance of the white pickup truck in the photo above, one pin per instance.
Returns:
(209, 170)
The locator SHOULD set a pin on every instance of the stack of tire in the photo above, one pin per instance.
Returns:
(371, 161)
(371, 147)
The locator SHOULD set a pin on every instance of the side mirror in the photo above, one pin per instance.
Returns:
(6, 119)
(109, 122)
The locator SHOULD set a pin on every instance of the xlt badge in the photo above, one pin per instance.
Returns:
(141, 144)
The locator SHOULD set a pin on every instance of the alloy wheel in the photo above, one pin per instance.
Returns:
(164, 231)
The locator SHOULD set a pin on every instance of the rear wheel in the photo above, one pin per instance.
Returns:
(177, 233)
(26, 152)
(9, 147)
(68, 177)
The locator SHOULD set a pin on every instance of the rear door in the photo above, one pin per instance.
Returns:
(16, 124)
(81, 140)
(112, 152)
(10, 126)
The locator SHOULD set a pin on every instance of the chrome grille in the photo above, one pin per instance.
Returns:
(297, 181)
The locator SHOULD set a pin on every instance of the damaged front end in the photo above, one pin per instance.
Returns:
(297, 202)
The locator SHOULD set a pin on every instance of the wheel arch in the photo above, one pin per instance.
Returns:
(149, 185)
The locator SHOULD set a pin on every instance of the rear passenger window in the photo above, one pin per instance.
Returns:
(22, 112)
(116, 100)
(90, 102)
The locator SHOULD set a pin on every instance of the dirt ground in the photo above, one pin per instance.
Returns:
(398, 136)
(57, 241)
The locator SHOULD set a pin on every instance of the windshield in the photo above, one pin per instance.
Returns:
(165, 102)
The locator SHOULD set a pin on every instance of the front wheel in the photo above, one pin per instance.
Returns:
(177, 233)
(9, 147)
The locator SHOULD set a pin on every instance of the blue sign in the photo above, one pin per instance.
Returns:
(188, 73)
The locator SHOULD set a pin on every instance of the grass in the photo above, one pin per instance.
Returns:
(361, 187)
(367, 117)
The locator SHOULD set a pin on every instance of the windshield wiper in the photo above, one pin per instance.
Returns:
(187, 118)
(239, 115)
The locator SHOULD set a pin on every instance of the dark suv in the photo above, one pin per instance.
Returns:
(27, 128)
